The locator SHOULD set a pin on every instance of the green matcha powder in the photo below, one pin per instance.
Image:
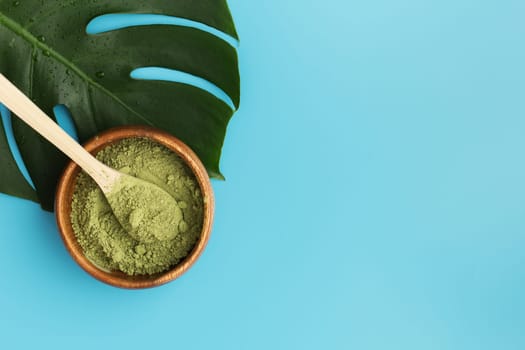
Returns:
(100, 235)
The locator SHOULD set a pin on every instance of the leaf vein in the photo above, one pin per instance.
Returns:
(31, 70)
(37, 44)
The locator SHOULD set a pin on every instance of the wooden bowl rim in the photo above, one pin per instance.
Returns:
(65, 191)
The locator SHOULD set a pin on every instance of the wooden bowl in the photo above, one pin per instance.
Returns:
(66, 188)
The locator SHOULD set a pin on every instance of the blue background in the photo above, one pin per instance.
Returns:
(375, 196)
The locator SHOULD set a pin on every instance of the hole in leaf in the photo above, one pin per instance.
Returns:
(165, 74)
(115, 21)
(64, 119)
(13, 146)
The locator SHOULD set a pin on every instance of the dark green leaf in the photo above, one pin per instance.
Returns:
(45, 51)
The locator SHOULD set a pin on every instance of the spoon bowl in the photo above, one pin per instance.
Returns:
(66, 188)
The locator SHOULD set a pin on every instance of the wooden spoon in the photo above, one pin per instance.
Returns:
(146, 211)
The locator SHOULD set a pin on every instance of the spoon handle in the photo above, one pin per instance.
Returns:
(25, 109)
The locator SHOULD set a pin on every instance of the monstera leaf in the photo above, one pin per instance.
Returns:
(45, 51)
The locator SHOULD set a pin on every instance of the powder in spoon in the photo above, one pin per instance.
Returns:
(145, 211)
(105, 242)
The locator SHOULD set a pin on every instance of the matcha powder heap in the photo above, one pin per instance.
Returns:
(105, 242)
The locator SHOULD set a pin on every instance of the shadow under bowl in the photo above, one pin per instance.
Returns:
(66, 188)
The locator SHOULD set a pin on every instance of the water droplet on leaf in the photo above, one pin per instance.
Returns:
(100, 74)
